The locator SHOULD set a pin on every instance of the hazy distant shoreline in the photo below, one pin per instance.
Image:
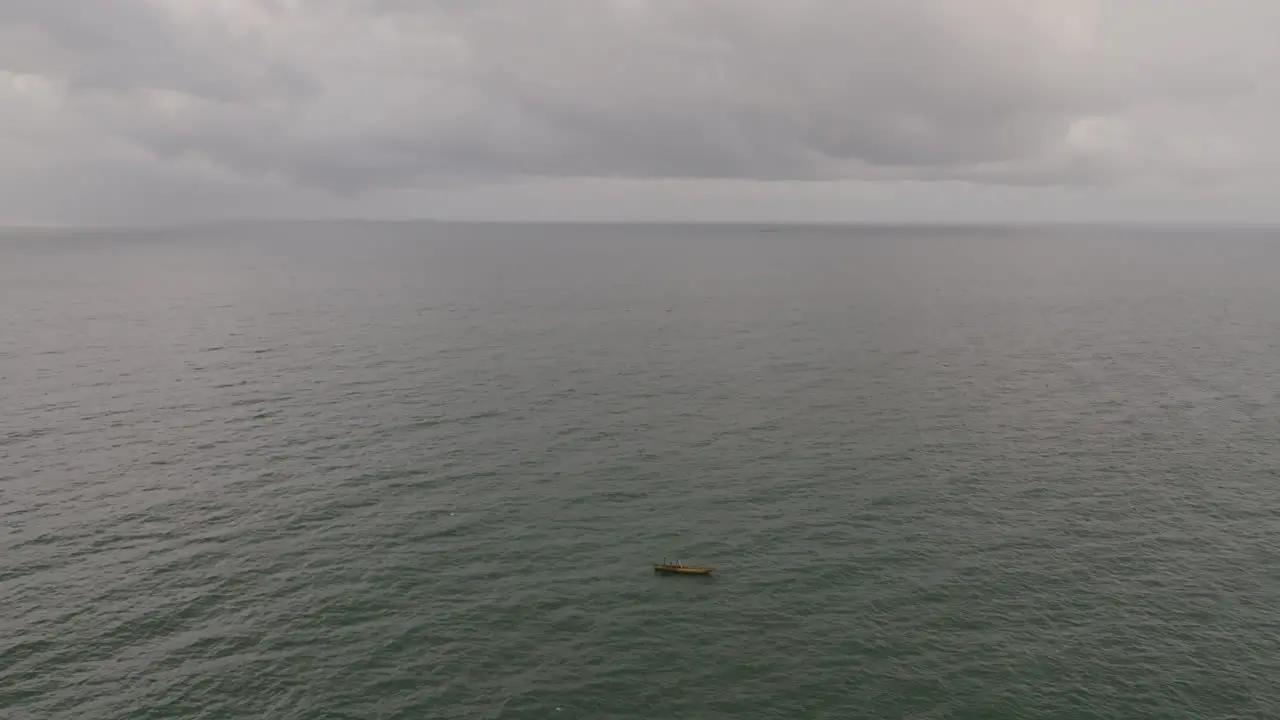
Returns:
(728, 224)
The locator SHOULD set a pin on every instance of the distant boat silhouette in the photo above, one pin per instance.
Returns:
(680, 568)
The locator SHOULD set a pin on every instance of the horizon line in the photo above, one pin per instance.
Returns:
(162, 225)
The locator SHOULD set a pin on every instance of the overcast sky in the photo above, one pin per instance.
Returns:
(785, 110)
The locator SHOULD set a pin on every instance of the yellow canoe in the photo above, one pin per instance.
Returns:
(679, 569)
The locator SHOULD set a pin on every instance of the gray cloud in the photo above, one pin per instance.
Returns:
(121, 45)
(360, 97)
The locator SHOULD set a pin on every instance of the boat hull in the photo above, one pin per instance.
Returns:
(682, 570)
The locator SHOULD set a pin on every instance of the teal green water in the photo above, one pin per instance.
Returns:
(421, 471)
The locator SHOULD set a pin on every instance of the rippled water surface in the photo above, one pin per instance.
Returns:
(421, 471)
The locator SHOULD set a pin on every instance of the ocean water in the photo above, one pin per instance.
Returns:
(360, 470)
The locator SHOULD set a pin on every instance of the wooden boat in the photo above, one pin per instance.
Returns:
(679, 568)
